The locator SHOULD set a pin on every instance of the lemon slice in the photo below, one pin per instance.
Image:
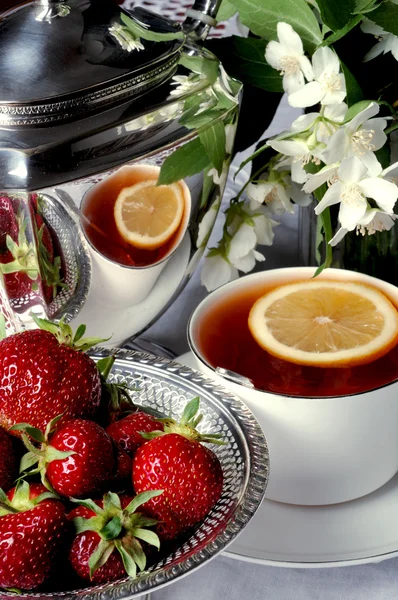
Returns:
(325, 323)
(147, 215)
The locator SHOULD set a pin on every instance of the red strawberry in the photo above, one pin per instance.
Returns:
(77, 460)
(17, 285)
(126, 431)
(107, 544)
(8, 460)
(8, 223)
(43, 375)
(32, 528)
(189, 473)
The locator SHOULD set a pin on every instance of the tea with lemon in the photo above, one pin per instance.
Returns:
(225, 340)
(125, 211)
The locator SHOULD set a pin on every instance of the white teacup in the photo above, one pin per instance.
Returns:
(322, 450)
(116, 285)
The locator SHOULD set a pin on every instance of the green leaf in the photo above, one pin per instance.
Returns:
(386, 15)
(190, 410)
(355, 109)
(128, 561)
(80, 331)
(336, 13)
(354, 91)
(134, 551)
(226, 11)
(150, 537)
(250, 66)
(34, 433)
(383, 155)
(141, 499)
(208, 185)
(100, 555)
(195, 121)
(27, 461)
(262, 16)
(213, 141)
(104, 365)
(365, 6)
(148, 34)
(340, 33)
(189, 159)
(201, 65)
(112, 529)
(88, 503)
(92, 524)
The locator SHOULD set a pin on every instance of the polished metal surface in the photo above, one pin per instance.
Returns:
(201, 18)
(60, 61)
(166, 387)
(79, 103)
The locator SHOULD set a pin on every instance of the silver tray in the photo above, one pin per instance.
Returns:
(166, 386)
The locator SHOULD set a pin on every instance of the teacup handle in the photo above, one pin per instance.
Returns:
(200, 18)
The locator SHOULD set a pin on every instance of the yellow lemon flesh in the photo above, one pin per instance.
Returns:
(325, 323)
(147, 215)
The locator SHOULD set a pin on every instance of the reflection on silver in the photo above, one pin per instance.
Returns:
(234, 377)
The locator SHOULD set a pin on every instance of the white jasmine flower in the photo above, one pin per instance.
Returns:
(359, 137)
(217, 271)
(185, 84)
(272, 194)
(126, 38)
(329, 85)
(323, 123)
(243, 241)
(301, 152)
(387, 42)
(373, 220)
(207, 223)
(263, 224)
(287, 56)
(333, 115)
(221, 179)
(230, 131)
(325, 175)
(352, 188)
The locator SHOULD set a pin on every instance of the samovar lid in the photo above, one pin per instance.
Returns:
(62, 60)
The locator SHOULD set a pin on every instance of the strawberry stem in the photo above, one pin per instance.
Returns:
(64, 334)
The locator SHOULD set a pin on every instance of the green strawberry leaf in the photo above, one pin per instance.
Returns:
(34, 433)
(92, 524)
(112, 500)
(80, 331)
(141, 499)
(150, 537)
(100, 555)
(3, 331)
(105, 365)
(88, 503)
(27, 461)
(190, 410)
(112, 529)
(128, 561)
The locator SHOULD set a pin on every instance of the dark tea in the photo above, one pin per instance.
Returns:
(224, 340)
(99, 222)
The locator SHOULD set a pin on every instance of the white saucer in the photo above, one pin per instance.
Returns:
(286, 535)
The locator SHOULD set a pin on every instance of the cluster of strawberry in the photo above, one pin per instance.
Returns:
(93, 459)
(28, 259)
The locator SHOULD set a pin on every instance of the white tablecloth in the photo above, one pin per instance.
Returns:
(228, 579)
